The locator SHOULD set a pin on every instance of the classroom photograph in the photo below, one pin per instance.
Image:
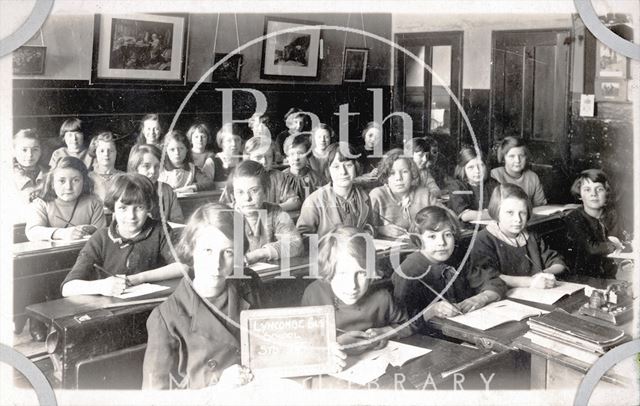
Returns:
(367, 203)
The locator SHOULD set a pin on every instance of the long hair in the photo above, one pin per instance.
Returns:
(465, 155)
(385, 166)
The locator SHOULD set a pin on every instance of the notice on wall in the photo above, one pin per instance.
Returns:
(587, 105)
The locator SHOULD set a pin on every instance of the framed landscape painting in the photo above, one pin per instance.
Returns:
(141, 47)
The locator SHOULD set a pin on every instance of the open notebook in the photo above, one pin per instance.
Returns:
(546, 296)
(497, 313)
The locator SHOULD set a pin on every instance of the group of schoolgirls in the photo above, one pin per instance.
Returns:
(194, 334)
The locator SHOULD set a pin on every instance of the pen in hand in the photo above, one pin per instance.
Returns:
(126, 280)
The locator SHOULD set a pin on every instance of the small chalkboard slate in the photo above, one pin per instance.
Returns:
(286, 342)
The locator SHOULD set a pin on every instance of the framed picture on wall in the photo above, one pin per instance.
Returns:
(228, 71)
(611, 89)
(354, 65)
(141, 47)
(290, 55)
(29, 60)
(610, 64)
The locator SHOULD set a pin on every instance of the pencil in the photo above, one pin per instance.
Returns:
(99, 268)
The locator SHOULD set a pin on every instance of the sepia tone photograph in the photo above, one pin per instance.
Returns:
(365, 204)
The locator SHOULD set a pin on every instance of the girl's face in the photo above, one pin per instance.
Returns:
(106, 154)
(297, 157)
(437, 246)
(74, 140)
(593, 195)
(512, 216)
(177, 152)
(151, 132)
(342, 173)
(68, 184)
(475, 170)
(231, 144)
(294, 124)
(420, 158)
(149, 167)
(130, 217)
(262, 157)
(515, 160)
(27, 151)
(321, 138)
(400, 177)
(372, 137)
(249, 194)
(212, 257)
(350, 280)
(199, 141)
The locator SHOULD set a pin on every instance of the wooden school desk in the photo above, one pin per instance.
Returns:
(189, 202)
(39, 267)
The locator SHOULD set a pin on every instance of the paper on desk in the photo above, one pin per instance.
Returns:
(546, 296)
(141, 290)
(262, 266)
(175, 225)
(481, 222)
(497, 313)
(622, 255)
(382, 245)
(550, 209)
(372, 364)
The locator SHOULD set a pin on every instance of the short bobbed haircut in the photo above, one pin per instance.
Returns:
(177, 136)
(105, 136)
(327, 128)
(504, 191)
(335, 151)
(68, 162)
(227, 129)
(295, 141)
(211, 214)
(465, 155)
(130, 188)
(27, 133)
(350, 239)
(137, 154)
(386, 164)
(509, 143)
(253, 169)
(434, 218)
(148, 117)
(595, 176)
(203, 128)
(261, 145)
(70, 124)
(419, 145)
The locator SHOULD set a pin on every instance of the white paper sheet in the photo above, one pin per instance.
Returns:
(382, 245)
(373, 364)
(546, 296)
(550, 209)
(622, 255)
(497, 313)
(141, 290)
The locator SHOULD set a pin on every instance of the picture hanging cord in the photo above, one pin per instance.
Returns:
(235, 17)
(364, 37)
(41, 37)
(215, 36)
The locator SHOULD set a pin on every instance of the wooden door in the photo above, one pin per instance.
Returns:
(530, 91)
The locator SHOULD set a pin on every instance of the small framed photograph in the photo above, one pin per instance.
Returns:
(228, 71)
(29, 60)
(610, 63)
(290, 55)
(354, 66)
(611, 89)
(142, 47)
